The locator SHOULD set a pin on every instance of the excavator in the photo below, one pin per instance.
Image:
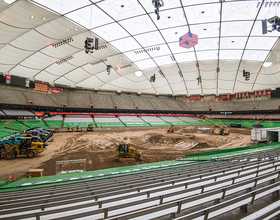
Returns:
(170, 129)
(126, 152)
(220, 128)
(25, 147)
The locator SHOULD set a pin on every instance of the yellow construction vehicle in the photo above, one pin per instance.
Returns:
(126, 152)
(170, 129)
(78, 128)
(26, 148)
(90, 127)
(219, 129)
(70, 129)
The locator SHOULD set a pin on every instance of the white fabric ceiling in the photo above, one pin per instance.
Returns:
(229, 32)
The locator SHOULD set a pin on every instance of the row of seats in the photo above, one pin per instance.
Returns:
(85, 99)
(166, 193)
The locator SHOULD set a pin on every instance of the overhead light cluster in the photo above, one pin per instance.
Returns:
(153, 78)
(64, 60)
(108, 69)
(147, 50)
(98, 62)
(268, 3)
(122, 67)
(271, 24)
(62, 42)
(157, 4)
(91, 45)
(246, 75)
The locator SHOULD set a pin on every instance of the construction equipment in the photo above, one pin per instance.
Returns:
(78, 128)
(26, 148)
(70, 129)
(90, 127)
(170, 129)
(126, 152)
(220, 128)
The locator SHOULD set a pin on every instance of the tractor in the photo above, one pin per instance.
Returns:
(126, 152)
(220, 128)
(90, 127)
(26, 147)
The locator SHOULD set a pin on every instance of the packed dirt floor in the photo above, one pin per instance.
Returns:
(99, 148)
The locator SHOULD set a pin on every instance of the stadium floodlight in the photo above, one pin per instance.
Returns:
(157, 4)
(271, 24)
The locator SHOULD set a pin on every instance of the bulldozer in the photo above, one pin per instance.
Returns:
(126, 152)
(90, 127)
(220, 128)
(170, 129)
(70, 129)
(25, 148)
(78, 128)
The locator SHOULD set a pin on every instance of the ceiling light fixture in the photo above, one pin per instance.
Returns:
(138, 73)
(267, 64)
(32, 16)
(44, 18)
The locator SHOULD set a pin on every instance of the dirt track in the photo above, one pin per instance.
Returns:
(99, 147)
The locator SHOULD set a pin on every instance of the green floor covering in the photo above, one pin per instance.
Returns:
(35, 123)
(8, 128)
(234, 152)
(29, 183)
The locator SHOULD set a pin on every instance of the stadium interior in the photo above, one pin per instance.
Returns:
(150, 109)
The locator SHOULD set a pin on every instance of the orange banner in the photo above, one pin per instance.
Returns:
(41, 87)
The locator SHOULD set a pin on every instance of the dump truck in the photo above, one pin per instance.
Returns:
(25, 148)
(126, 152)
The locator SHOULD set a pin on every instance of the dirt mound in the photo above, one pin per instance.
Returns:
(201, 146)
(245, 131)
(160, 139)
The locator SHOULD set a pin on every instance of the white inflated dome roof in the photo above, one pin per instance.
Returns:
(131, 39)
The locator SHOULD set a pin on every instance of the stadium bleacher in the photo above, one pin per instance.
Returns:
(155, 121)
(73, 121)
(54, 122)
(17, 112)
(167, 193)
(109, 121)
(11, 126)
(173, 120)
(133, 121)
